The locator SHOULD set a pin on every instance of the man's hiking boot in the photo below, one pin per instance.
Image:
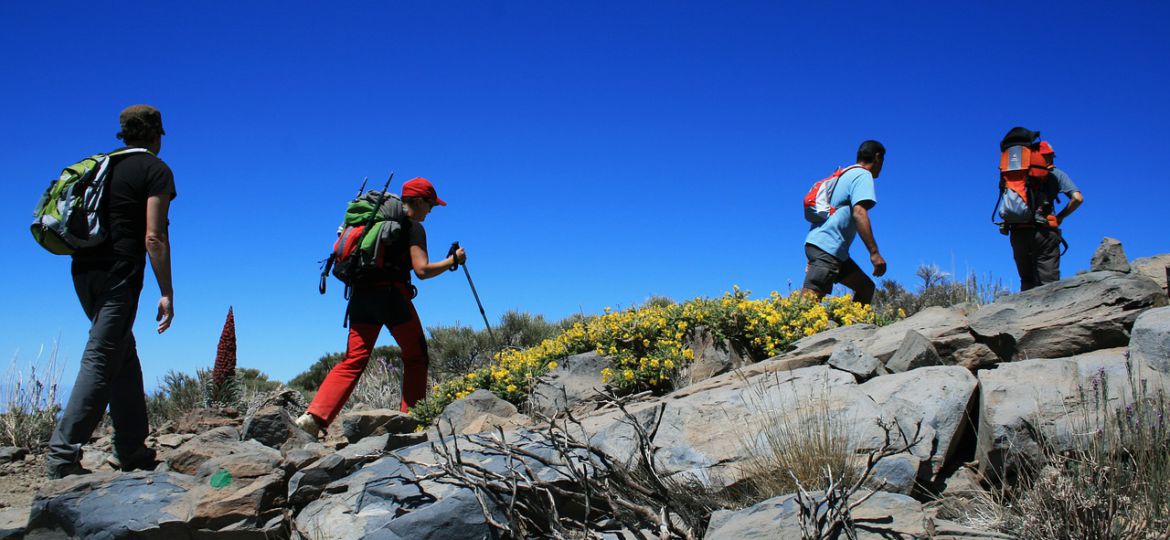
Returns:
(141, 460)
(310, 425)
(58, 472)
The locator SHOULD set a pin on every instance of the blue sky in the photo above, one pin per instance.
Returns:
(593, 153)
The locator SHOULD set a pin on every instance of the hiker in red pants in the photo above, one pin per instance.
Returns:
(383, 298)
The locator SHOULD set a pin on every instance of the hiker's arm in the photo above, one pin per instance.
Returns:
(865, 230)
(1074, 202)
(158, 245)
(425, 269)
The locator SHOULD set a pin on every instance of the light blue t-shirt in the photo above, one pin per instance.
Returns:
(836, 234)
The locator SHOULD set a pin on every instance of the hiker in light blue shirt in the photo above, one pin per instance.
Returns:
(827, 245)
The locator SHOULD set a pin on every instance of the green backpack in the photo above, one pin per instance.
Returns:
(70, 214)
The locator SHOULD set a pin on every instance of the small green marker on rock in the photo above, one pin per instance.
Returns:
(221, 479)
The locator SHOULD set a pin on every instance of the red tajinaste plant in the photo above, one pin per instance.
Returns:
(225, 354)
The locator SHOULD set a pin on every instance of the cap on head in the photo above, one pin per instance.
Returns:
(140, 123)
(1046, 149)
(422, 188)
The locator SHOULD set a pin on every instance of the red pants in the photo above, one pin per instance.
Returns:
(339, 384)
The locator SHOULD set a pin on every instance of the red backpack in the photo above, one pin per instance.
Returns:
(818, 205)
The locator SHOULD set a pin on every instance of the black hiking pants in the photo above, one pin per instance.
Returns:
(109, 374)
(1037, 253)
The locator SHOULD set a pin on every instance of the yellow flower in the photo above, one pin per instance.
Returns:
(628, 374)
(511, 388)
(552, 365)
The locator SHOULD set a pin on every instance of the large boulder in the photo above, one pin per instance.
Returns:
(307, 483)
(191, 454)
(1050, 399)
(1156, 268)
(939, 397)
(946, 329)
(575, 379)
(708, 435)
(396, 497)
(1109, 256)
(882, 516)
(162, 505)
(1084, 313)
(1150, 341)
(386, 499)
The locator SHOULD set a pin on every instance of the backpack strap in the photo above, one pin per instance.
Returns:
(838, 179)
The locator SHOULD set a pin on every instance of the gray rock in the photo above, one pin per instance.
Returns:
(190, 455)
(272, 426)
(388, 499)
(821, 346)
(13, 522)
(1084, 313)
(361, 424)
(1150, 341)
(900, 473)
(853, 359)
(479, 411)
(946, 328)
(112, 505)
(1110, 256)
(9, 454)
(308, 483)
(914, 352)
(708, 434)
(174, 440)
(1154, 268)
(713, 356)
(1058, 397)
(883, 516)
(939, 397)
(575, 379)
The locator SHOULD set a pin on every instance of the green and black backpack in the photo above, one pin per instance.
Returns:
(373, 222)
(71, 213)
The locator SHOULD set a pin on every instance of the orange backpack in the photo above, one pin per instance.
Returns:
(1024, 175)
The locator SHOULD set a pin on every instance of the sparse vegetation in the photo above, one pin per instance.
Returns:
(893, 301)
(30, 402)
(1113, 484)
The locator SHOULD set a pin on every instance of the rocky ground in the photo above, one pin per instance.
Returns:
(971, 381)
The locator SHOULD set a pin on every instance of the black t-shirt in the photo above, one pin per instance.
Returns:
(133, 179)
(396, 265)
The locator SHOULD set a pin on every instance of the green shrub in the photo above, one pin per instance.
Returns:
(176, 395)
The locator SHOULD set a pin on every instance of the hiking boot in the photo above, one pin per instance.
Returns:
(57, 472)
(141, 460)
(310, 425)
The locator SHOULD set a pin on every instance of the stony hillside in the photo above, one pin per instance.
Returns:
(945, 403)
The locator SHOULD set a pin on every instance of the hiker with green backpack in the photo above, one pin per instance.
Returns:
(382, 241)
(109, 212)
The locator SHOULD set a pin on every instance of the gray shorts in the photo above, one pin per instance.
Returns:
(824, 270)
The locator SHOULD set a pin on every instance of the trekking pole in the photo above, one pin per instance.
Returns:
(451, 253)
(363, 188)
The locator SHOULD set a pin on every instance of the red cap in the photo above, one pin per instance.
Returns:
(1046, 149)
(422, 188)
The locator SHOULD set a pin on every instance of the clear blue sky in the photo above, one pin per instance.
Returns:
(593, 153)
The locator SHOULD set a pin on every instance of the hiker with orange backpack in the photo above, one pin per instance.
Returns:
(381, 295)
(838, 210)
(1030, 188)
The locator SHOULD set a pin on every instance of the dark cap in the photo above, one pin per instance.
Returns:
(422, 188)
(139, 123)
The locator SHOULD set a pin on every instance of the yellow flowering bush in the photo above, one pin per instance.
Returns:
(648, 344)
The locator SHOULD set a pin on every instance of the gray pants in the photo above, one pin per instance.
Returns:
(1037, 254)
(109, 372)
